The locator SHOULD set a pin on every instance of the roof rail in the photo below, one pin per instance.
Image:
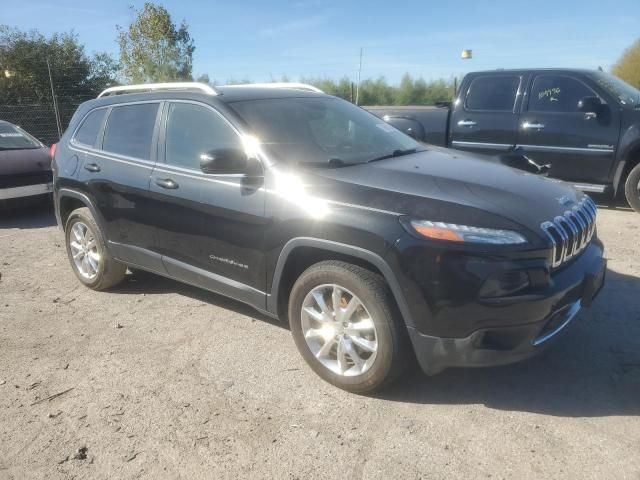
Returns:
(160, 86)
(292, 85)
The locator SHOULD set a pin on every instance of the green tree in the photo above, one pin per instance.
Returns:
(204, 78)
(628, 66)
(24, 73)
(153, 49)
(376, 92)
(25, 86)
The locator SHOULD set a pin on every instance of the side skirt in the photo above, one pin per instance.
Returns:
(176, 270)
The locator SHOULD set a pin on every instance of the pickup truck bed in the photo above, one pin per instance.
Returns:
(428, 124)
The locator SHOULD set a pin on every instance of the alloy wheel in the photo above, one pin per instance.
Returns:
(84, 250)
(339, 330)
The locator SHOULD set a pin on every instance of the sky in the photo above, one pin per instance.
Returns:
(264, 40)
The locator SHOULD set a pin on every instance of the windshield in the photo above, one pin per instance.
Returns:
(14, 138)
(322, 131)
(625, 93)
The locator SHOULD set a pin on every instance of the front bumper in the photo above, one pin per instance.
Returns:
(504, 344)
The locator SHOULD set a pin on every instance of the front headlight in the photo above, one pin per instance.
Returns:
(465, 233)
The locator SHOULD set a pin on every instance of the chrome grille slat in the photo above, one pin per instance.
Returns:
(571, 233)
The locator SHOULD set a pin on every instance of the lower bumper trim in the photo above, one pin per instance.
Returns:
(566, 315)
(491, 346)
(25, 191)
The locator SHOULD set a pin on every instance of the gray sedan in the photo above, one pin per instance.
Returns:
(25, 164)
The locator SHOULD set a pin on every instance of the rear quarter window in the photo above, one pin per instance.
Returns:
(496, 93)
(129, 130)
(87, 134)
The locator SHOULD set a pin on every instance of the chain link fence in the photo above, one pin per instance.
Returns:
(43, 103)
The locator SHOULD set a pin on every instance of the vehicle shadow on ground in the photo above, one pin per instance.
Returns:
(591, 371)
(27, 216)
(149, 283)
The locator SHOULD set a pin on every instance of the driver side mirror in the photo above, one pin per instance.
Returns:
(590, 105)
(223, 161)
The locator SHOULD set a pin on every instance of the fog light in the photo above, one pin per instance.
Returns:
(504, 283)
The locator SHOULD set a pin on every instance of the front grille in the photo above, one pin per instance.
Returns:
(571, 233)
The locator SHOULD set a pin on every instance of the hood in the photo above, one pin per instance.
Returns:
(32, 160)
(445, 185)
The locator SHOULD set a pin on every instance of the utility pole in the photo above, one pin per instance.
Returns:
(55, 102)
(359, 74)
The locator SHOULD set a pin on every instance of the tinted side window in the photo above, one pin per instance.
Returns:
(555, 93)
(88, 132)
(193, 130)
(129, 130)
(494, 93)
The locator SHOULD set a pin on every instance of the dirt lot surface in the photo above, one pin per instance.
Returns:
(161, 380)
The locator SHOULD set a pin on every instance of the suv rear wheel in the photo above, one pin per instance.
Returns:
(343, 321)
(87, 254)
(632, 188)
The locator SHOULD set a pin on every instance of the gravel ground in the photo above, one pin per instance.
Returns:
(161, 380)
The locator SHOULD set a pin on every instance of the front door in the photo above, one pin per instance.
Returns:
(487, 121)
(210, 228)
(578, 146)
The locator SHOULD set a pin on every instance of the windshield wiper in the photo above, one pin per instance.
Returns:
(395, 153)
(331, 163)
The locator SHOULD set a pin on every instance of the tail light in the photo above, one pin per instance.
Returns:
(52, 151)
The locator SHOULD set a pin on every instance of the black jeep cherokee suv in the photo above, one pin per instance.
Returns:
(376, 248)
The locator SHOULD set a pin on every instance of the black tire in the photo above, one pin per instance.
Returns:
(632, 188)
(392, 348)
(109, 271)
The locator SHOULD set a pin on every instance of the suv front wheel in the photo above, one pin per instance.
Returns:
(87, 252)
(632, 188)
(343, 321)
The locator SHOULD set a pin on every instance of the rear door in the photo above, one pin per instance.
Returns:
(485, 119)
(580, 147)
(116, 172)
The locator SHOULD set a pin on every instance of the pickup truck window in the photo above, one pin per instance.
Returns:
(496, 93)
(557, 93)
(321, 131)
(625, 93)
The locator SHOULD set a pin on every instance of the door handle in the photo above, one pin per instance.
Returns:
(92, 167)
(166, 183)
(467, 123)
(536, 125)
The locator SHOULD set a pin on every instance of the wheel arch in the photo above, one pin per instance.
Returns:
(300, 253)
(630, 160)
(70, 200)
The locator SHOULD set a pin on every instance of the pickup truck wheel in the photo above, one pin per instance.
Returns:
(632, 188)
(87, 254)
(343, 321)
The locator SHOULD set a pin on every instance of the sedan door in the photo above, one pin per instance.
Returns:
(487, 120)
(210, 227)
(578, 146)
